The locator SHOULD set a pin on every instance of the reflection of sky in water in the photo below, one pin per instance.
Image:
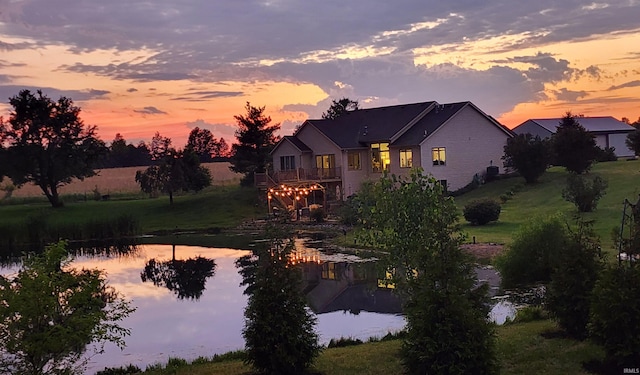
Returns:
(164, 326)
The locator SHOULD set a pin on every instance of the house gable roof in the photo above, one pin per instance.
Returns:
(356, 129)
(295, 142)
(604, 124)
(435, 119)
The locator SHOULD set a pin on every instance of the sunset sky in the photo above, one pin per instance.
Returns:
(139, 67)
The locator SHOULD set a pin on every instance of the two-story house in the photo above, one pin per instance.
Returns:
(453, 142)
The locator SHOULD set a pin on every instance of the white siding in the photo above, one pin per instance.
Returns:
(601, 140)
(618, 141)
(472, 143)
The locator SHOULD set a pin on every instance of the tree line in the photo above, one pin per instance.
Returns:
(45, 142)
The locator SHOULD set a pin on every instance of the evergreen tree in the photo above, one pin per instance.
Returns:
(256, 139)
(279, 328)
(574, 147)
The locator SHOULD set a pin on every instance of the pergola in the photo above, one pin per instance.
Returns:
(295, 195)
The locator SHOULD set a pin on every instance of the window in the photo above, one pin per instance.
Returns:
(329, 271)
(326, 165)
(406, 158)
(354, 160)
(380, 159)
(325, 161)
(287, 163)
(439, 156)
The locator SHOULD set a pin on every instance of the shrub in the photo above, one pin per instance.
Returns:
(584, 192)
(481, 212)
(528, 155)
(131, 369)
(343, 341)
(615, 314)
(530, 314)
(527, 260)
(51, 315)
(606, 154)
(575, 271)
(317, 214)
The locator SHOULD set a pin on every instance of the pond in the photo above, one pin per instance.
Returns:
(203, 315)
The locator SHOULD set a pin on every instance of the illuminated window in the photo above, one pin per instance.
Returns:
(439, 156)
(326, 165)
(354, 160)
(406, 158)
(380, 159)
(329, 271)
(287, 163)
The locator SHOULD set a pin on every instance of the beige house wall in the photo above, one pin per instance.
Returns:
(320, 145)
(394, 154)
(286, 149)
(472, 143)
(352, 178)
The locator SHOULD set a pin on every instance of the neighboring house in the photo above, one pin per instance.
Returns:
(454, 142)
(608, 131)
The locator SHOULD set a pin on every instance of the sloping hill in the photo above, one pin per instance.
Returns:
(545, 198)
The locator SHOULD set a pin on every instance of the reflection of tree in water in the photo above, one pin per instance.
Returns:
(185, 278)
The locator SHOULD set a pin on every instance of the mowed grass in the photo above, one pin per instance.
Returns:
(216, 207)
(544, 199)
(523, 348)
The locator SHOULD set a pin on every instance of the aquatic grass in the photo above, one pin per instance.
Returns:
(38, 230)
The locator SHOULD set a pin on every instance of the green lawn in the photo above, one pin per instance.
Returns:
(545, 198)
(215, 207)
(523, 348)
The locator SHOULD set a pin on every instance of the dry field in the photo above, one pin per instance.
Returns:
(122, 180)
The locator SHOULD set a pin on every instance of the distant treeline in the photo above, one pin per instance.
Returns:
(122, 154)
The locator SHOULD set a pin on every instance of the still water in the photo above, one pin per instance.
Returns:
(170, 322)
(198, 311)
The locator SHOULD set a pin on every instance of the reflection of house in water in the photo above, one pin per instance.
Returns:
(341, 285)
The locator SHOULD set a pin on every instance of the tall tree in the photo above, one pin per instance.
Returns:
(279, 328)
(51, 314)
(447, 328)
(223, 149)
(340, 107)
(160, 147)
(574, 147)
(48, 144)
(528, 155)
(203, 143)
(256, 139)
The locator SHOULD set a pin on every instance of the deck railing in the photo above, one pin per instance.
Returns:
(300, 174)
